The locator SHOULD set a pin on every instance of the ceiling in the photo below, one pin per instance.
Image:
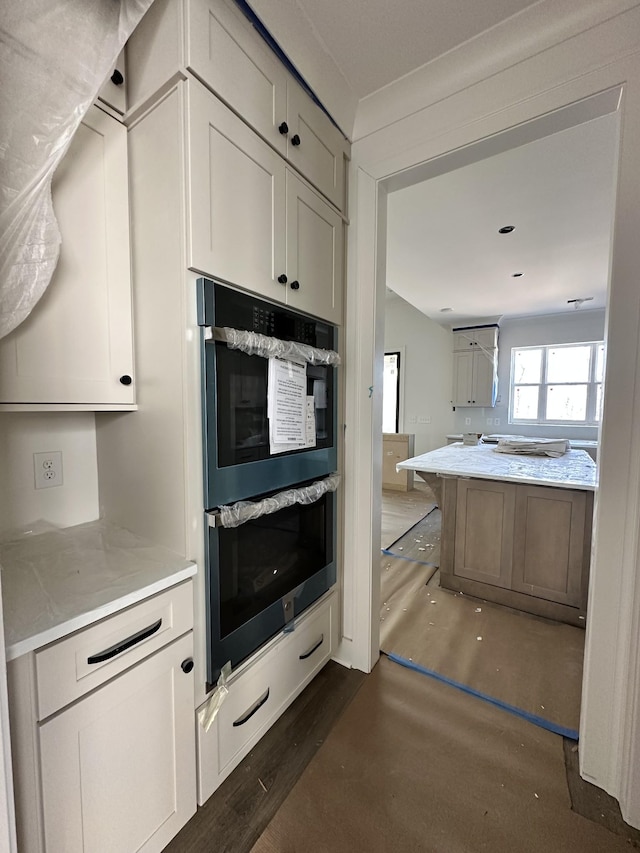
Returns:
(374, 42)
(443, 246)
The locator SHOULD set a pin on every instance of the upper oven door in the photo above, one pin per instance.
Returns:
(239, 458)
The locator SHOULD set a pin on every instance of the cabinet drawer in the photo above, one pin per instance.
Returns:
(253, 700)
(307, 649)
(81, 662)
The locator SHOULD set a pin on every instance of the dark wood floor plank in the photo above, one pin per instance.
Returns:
(234, 817)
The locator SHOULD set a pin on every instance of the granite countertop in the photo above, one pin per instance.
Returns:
(61, 580)
(573, 470)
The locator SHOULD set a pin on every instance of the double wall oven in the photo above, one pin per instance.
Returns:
(269, 394)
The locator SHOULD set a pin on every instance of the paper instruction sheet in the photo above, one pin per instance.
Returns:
(290, 411)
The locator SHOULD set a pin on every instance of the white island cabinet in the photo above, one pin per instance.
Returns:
(101, 691)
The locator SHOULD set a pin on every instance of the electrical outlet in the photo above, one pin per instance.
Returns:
(412, 419)
(467, 421)
(496, 421)
(489, 421)
(47, 469)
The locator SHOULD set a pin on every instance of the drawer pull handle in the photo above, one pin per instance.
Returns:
(311, 651)
(248, 714)
(125, 644)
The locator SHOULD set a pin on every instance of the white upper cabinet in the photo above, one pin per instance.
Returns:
(224, 51)
(114, 89)
(75, 349)
(475, 338)
(252, 221)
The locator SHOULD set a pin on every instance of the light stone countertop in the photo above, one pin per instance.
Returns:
(61, 580)
(573, 470)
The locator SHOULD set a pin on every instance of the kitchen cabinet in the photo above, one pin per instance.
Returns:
(255, 84)
(396, 447)
(521, 545)
(475, 366)
(114, 89)
(286, 244)
(260, 691)
(103, 732)
(75, 349)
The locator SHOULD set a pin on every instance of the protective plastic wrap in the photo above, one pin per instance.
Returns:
(243, 511)
(209, 711)
(54, 58)
(255, 344)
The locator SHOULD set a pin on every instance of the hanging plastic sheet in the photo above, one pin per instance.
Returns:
(54, 58)
(243, 511)
(253, 343)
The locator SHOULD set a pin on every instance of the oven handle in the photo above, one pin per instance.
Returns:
(253, 343)
(243, 511)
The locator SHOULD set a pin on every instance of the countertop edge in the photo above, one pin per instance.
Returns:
(505, 478)
(83, 620)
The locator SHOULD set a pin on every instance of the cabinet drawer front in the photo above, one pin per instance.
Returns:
(81, 662)
(307, 648)
(253, 700)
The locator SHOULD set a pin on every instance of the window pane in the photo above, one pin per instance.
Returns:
(527, 365)
(599, 363)
(525, 402)
(566, 403)
(568, 364)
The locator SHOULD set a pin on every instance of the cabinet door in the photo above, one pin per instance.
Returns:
(549, 549)
(226, 52)
(114, 89)
(484, 376)
(462, 378)
(118, 767)
(237, 200)
(484, 531)
(76, 344)
(315, 145)
(315, 254)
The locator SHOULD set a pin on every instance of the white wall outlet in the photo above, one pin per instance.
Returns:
(47, 469)
(412, 419)
(496, 421)
(489, 421)
(467, 421)
(424, 419)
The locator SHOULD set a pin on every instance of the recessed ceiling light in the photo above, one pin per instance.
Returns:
(444, 310)
(506, 229)
(516, 274)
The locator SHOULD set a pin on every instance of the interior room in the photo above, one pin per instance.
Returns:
(216, 217)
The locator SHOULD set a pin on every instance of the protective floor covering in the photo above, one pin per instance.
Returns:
(522, 660)
(415, 765)
(401, 510)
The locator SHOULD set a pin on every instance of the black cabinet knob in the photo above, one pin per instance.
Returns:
(295, 285)
(116, 78)
(283, 128)
(187, 665)
(282, 279)
(295, 140)
(126, 380)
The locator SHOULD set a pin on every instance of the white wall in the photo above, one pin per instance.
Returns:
(76, 501)
(571, 327)
(427, 367)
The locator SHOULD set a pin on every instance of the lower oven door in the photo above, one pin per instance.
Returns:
(263, 573)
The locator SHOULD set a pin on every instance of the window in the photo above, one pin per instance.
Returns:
(391, 392)
(557, 384)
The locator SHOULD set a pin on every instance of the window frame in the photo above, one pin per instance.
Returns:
(591, 419)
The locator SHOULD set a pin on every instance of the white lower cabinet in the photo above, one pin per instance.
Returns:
(106, 761)
(261, 691)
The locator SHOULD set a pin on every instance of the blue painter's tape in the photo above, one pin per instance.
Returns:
(388, 553)
(518, 712)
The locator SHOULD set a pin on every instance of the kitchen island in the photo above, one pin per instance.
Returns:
(516, 529)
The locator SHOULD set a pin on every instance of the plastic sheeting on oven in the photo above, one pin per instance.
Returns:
(253, 343)
(54, 58)
(243, 511)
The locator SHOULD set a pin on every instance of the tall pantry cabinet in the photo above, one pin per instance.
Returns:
(235, 174)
